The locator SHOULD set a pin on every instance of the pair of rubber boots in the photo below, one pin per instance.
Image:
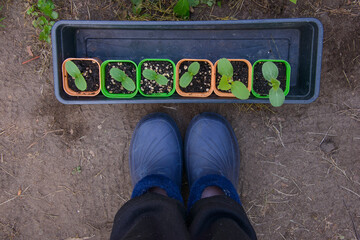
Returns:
(210, 149)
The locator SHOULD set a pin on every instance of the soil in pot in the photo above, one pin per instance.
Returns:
(241, 73)
(90, 71)
(261, 85)
(161, 67)
(113, 86)
(201, 82)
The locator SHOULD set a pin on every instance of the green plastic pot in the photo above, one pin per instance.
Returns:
(287, 83)
(105, 92)
(139, 74)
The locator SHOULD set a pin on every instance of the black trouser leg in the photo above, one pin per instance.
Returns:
(153, 216)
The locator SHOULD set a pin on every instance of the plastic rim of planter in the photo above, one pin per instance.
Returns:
(287, 83)
(105, 92)
(139, 74)
(194, 94)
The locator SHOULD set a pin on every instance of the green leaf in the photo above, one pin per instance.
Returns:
(270, 71)
(182, 8)
(34, 23)
(219, 3)
(224, 84)
(239, 90)
(276, 97)
(194, 68)
(161, 80)
(225, 68)
(72, 69)
(128, 84)
(149, 74)
(275, 84)
(54, 15)
(118, 74)
(193, 3)
(43, 36)
(185, 79)
(137, 6)
(80, 82)
(29, 11)
(293, 1)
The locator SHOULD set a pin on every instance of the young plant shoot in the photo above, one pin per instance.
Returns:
(74, 71)
(121, 77)
(152, 75)
(276, 95)
(187, 77)
(225, 69)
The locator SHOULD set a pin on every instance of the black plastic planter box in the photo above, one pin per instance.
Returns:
(298, 41)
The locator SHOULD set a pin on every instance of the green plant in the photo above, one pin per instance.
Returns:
(137, 6)
(1, 19)
(293, 1)
(187, 77)
(152, 75)
(121, 77)
(76, 170)
(276, 95)
(182, 7)
(74, 71)
(225, 69)
(44, 15)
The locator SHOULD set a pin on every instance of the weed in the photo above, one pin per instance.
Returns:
(44, 15)
(74, 71)
(121, 77)
(76, 170)
(152, 75)
(187, 77)
(225, 69)
(182, 7)
(1, 19)
(276, 95)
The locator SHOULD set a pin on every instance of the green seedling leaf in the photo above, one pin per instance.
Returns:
(224, 84)
(72, 69)
(80, 83)
(161, 80)
(276, 97)
(275, 84)
(270, 71)
(54, 15)
(137, 6)
(149, 74)
(219, 3)
(225, 68)
(182, 8)
(193, 3)
(293, 1)
(194, 68)
(118, 74)
(185, 79)
(239, 90)
(128, 84)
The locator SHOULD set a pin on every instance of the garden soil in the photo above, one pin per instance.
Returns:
(300, 164)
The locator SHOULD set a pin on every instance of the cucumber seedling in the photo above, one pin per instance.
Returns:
(187, 77)
(152, 75)
(121, 77)
(74, 71)
(276, 95)
(226, 70)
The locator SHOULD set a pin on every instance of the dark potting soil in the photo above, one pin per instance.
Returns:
(201, 82)
(160, 67)
(261, 85)
(241, 73)
(113, 86)
(90, 71)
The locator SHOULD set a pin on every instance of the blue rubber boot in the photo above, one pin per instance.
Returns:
(212, 156)
(155, 157)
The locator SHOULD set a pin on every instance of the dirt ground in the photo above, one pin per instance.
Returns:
(300, 169)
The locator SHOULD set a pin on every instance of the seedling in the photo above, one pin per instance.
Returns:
(182, 7)
(1, 19)
(225, 69)
(76, 170)
(187, 77)
(74, 71)
(44, 15)
(121, 77)
(276, 95)
(152, 75)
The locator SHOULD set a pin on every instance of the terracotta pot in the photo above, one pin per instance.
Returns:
(195, 94)
(225, 94)
(66, 87)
